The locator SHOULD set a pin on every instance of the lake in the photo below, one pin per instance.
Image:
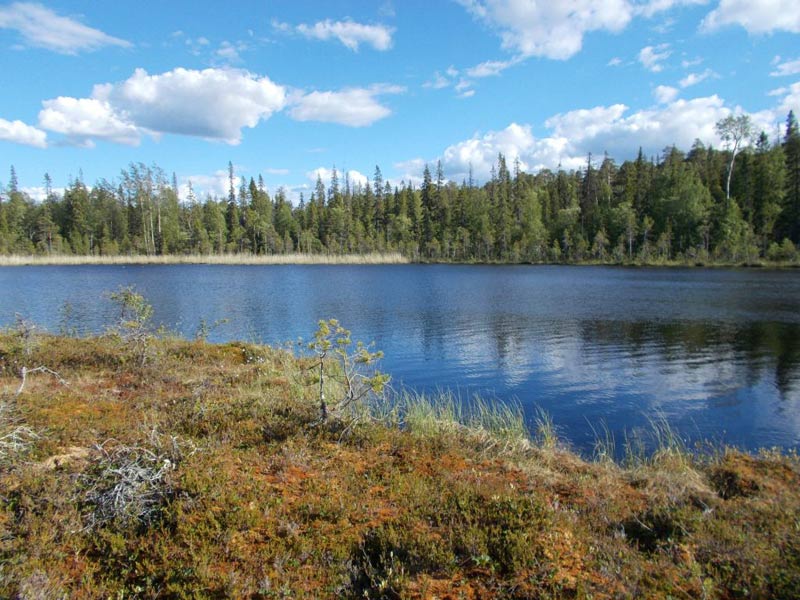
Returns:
(715, 352)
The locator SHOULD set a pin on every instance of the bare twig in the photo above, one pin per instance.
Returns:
(131, 483)
(25, 371)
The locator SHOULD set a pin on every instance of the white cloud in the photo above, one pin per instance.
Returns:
(789, 67)
(82, 120)
(651, 57)
(549, 29)
(791, 101)
(39, 193)
(216, 185)
(614, 62)
(612, 129)
(356, 178)
(652, 7)
(348, 32)
(490, 68)
(228, 52)
(438, 82)
(695, 78)
(213, 103)
(665, 94)
(354, 107)
(585, 122)
(756, 16)
(43, 28)
(572, 135)
(480, 152)
(409, 173)
(22, 133)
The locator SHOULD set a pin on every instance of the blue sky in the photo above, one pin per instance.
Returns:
(289, 89)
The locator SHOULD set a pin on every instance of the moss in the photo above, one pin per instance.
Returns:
(261, 502)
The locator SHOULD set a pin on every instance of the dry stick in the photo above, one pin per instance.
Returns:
(323, 408)
(41, 369)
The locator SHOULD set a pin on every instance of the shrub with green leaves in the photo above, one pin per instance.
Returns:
(352, 369)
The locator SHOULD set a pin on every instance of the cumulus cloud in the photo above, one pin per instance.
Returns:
(41, 27)
(83, 120)
(549, 29)
(348, 32)
(215, 104)
(354, 107)
(785, 68)
(572, 135)
(756, 16)
(480, 152)
(651, 57)
(664, 94)
(22, 133)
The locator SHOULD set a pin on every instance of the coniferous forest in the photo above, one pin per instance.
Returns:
(702, 205)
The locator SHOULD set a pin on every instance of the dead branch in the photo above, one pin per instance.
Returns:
(41, 369)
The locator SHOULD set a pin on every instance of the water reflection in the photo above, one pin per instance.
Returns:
(716, 352)
(755, 351)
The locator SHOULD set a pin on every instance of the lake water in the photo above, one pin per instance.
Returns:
(715, 352)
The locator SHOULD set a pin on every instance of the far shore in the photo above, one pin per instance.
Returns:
(373, 258)
(389, 258)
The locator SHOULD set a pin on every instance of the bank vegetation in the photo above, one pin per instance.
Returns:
(138, 465)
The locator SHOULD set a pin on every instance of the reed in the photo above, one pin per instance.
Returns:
(495, 425)
(388, 258)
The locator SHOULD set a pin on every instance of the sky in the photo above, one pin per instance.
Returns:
(291, 89)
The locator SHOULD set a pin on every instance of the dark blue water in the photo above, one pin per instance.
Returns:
(715, 352)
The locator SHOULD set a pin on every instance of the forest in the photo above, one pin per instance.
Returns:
(737, 204)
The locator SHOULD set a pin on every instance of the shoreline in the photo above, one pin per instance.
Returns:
(132, 465)
(209, 259)
(375, 258)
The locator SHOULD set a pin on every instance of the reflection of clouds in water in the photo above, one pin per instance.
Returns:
(478, 352)
(670, 371)
(720, 348)
(664, 374)
(782, 419)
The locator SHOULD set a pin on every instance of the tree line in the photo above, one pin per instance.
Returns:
(736, 204)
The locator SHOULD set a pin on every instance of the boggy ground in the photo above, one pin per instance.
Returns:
(202, 472)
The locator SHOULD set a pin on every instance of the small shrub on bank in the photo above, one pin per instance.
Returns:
(130, 484)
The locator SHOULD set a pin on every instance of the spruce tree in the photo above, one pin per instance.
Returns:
(791, 148)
